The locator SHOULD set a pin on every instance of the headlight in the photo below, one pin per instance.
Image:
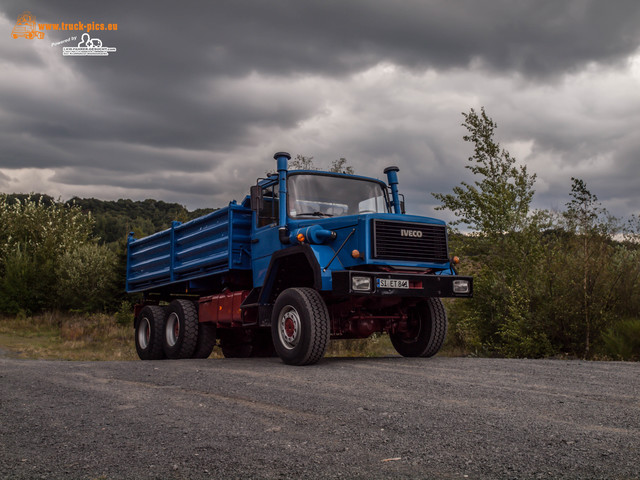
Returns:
(361, 284)
(460, 286)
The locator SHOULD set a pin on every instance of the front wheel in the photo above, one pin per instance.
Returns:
(426, 333)
(300, 326)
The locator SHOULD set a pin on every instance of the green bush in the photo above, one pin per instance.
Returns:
(622, 341)
(124, 315)
(48, 258)
(86, 276)
(21, 285)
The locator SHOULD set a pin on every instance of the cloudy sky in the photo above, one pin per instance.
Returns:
(198, 96)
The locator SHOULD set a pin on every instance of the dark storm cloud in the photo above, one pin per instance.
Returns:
(332, 37)
(336, 37)
(154, 91)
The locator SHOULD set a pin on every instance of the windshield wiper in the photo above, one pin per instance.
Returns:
(315, 214)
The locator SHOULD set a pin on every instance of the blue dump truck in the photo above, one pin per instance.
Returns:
(307, 257)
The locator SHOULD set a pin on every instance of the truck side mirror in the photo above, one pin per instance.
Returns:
(256, 197)
(402, 210)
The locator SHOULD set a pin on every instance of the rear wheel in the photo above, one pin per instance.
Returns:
(300, 326)
(149, 330)
(427, 330)
(180, 329)
(206, 340)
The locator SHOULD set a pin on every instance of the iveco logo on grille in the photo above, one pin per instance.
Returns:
(410, 233)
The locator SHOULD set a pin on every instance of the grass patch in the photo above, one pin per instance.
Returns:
(377, 345)
(67, 337)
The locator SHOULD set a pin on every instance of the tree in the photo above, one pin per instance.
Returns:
(499, 202)
(592, 228)
(340, 166)
(505, 245)
(302, 162)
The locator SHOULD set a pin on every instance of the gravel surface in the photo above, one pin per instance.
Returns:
(440, 418)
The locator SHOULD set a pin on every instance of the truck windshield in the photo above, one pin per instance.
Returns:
(333, 196)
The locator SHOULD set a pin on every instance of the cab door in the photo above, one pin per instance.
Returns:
(265, 236)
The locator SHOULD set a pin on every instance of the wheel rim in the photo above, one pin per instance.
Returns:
(144, 333)
(289, 327)
(172, 329)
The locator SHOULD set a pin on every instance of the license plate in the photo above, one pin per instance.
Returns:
(390, 283)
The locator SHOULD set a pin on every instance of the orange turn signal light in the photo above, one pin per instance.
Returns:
(300, 237)
(455, 260)
(355, 254)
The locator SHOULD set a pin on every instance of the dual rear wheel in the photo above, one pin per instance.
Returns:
(173, 332)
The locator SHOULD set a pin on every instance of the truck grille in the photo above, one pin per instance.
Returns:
(415, 242)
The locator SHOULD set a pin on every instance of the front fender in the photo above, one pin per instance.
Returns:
(296, 266)
(324, 255)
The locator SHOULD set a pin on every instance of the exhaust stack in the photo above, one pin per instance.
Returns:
(283, 163)
(392, 177)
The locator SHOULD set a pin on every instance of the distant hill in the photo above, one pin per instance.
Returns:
(115, 219)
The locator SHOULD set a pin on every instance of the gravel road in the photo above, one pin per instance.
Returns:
(440, 418)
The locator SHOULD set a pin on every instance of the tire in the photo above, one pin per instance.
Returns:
(148, 333)
(300, 326)
(206, 340)
(428, 329)
(180, 329)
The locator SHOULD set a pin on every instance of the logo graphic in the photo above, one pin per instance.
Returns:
(410, 233)
(26, 27)
(88, 47)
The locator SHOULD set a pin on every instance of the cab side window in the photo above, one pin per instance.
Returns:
(269, 213)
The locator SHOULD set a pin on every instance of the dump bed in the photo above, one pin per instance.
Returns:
(209, 245)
